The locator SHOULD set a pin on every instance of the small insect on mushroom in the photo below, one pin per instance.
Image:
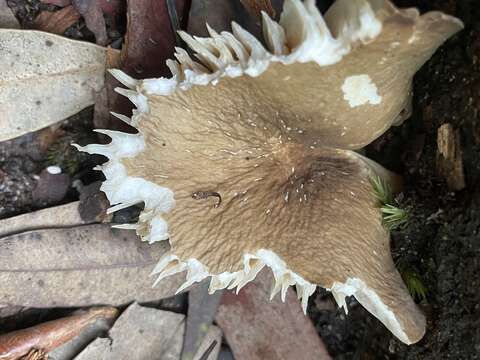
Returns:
(343, 78)
(205, 194)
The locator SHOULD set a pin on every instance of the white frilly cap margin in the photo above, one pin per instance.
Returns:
(252, 264)
(302, 35)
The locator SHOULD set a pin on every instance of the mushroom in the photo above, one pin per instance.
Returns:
(245, 158)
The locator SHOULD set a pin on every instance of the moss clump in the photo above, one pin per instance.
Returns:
(393, 215)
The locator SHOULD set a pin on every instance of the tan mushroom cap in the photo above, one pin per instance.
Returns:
(244, 159)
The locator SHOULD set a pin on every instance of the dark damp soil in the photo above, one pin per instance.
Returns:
(441, 243)
(442, 240)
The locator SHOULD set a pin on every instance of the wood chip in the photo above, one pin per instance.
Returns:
(80, 266)
(57, 22)
(49, 335)
(259, 329)
(35, 354)
(72, 348)
(140, 333)
(449, 157)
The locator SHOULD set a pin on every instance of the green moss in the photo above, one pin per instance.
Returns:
(413, 281)
(62, 153)
(393, 216)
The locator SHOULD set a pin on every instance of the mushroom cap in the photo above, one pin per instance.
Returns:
(244, 158)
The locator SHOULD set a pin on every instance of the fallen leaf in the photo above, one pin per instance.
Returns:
(259, 329)
(54, 217)
(49, 335)
(113, 11)
(58, 21)
(66, 75)
(212, 342)
(80, 266)
(150, 40)
(60, 3)
(140, 333)
(202, 308)
(255, 7)
(7, 19)
(219, 15)
(93, 15)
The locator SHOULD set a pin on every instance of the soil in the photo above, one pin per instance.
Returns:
(440, 244)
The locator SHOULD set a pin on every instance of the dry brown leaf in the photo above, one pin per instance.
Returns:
(48, 336)
(93, 15)
(80, 266)
(255, 7)
(150, 39)
(57, 22)
(149, 42)
(49, 79)
(60, 3)
(259, 329)
(219, 15)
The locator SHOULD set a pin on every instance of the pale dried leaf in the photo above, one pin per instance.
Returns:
(54, 217)
(49, 79)
(80, 266)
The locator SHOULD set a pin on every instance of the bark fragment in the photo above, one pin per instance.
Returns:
(449, 157)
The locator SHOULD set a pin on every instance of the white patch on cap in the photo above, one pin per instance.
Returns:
(54, 170)
(359, 90)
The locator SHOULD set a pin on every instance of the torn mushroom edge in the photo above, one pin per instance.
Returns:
(234, 55)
